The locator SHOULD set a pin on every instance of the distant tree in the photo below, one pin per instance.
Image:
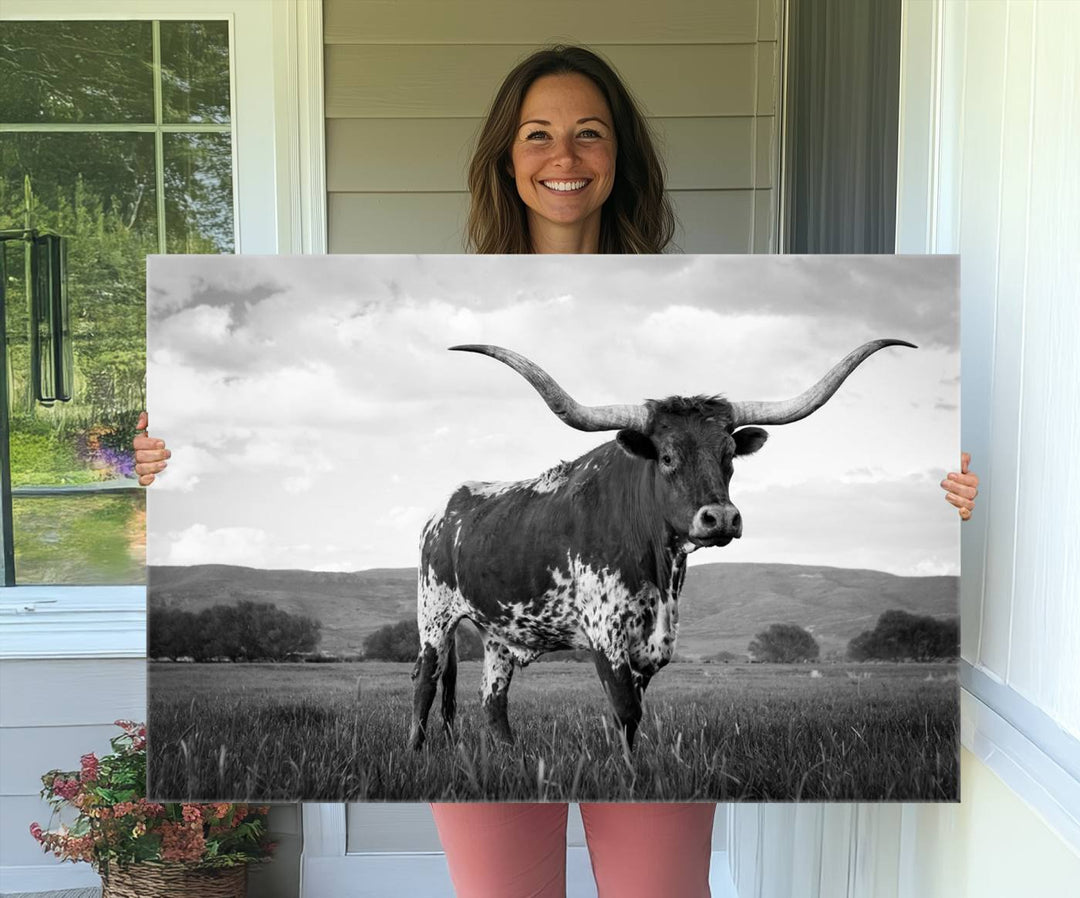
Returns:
(394, 642)
(784, 644)
(470, 644)
(900, 636)
(246, 631)
(723, 658)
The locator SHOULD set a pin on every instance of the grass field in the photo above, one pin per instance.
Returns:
(337, 732)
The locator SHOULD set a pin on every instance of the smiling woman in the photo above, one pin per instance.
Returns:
(563, 161)
(563, 117)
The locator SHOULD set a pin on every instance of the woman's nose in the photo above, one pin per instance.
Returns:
(564, 149)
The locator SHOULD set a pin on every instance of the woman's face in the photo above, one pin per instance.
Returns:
(563, 154)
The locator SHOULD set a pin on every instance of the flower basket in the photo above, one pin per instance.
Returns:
(149, 849)
(174, 881)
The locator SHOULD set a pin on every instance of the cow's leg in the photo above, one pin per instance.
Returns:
(449, 688)
(622, 691)
(498, 669)
(436, 625)
(641, 683)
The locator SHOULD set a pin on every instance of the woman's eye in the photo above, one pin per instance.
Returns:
(536, 135)
(589, 132)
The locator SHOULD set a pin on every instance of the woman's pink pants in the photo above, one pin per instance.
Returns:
(519, 850)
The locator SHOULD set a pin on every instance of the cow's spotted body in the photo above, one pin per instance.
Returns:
(591, 553)
(493, 556)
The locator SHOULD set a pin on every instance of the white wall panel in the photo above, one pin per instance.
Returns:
(980, 176)
(1011, 274)
(1045, 637)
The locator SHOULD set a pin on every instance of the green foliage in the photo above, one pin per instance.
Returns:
(784, 644)
(116, 825)
(899, 635)
(91, 539)
(99, 190)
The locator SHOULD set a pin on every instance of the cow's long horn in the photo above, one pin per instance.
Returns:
(582, 417)
(809, 402)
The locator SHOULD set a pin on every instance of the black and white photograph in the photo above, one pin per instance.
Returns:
(574, 528)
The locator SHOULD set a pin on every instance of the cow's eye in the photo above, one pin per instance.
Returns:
(666, 459)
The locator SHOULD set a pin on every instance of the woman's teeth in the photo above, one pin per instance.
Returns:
(564, 186)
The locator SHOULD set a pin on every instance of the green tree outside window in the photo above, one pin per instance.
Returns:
(118, 136)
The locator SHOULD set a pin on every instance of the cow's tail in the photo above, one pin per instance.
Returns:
(449, 683)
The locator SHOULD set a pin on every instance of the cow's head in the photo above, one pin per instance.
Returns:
(690, 442)
(691, 445)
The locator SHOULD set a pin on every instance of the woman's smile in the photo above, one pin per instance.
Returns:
(563, 160)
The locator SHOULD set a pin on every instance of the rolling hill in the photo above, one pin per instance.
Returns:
(721, 608)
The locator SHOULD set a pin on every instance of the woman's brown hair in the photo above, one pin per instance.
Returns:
(637, 216)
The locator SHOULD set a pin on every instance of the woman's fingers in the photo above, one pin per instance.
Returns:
(960, 501)
(150, 453)
(962, 487)
(965, 485)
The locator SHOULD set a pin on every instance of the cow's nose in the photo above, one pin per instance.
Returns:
(715, 521)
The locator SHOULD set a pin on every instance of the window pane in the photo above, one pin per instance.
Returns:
(82, 539)
(97, 190)
(198, 193)
(76, 72)
(195, 71)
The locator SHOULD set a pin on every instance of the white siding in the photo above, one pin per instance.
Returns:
(407, 85)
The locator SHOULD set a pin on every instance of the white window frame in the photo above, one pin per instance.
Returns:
(280, 207)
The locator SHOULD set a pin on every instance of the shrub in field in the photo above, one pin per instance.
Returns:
(394, 642)
(246, 631)
(899, 635)
(723, 658)
(784, 644)
(401, 642)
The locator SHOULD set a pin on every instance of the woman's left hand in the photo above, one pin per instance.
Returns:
(962, 487)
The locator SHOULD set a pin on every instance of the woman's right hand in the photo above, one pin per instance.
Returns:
(150, 454)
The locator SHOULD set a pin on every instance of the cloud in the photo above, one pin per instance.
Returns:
(314, 396)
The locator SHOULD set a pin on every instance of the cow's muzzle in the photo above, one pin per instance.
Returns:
(716, 525)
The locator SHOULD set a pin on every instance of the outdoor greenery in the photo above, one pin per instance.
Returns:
(246, 631)
(900, 636)
(99, 189)
(116, 826)
(401, 642)
(750, 732)
(784, 644)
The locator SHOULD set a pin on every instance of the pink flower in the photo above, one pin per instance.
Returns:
(192, 814)
(89, 768)
(66, 789)
(181, 842)
(150, 808)
(36, 832)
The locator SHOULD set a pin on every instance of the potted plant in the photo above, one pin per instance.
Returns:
(144, 848)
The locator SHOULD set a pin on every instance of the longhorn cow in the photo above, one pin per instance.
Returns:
(592, 553)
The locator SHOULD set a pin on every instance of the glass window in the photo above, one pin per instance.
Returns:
(117, 136)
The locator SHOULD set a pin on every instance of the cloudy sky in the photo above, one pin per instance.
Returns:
(316, 417)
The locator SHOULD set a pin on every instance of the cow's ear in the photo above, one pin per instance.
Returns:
(637, 444)
(749, 440)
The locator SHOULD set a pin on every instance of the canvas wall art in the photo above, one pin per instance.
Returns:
(604, 528)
